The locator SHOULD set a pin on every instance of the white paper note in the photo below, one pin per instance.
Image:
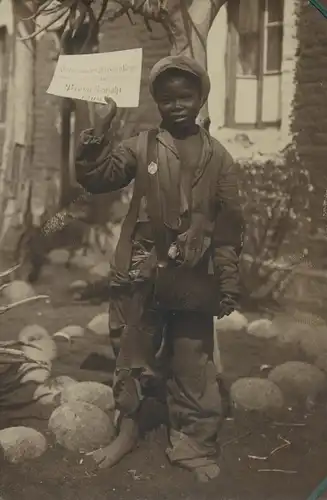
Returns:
(91, 77)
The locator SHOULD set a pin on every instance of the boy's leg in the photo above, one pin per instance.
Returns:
(194, 402)
(128, 383)
(224, 393)
(118, 308)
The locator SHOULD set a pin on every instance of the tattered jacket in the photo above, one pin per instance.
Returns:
(215, 215)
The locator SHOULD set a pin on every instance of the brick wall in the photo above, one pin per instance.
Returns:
(46, 166)
(310, 103)
(121, 35)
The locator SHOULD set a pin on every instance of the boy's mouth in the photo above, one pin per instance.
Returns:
(179, 118)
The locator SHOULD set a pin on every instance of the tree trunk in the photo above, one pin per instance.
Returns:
(17, 158)
(190, 22)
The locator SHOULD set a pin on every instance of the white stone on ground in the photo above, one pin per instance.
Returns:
(41, 346)
(297, 379)
(70, 332)
(84, 261)
(290, 332)
(315, 343)
(234, 322)
(262, 328)
(58, 256)
(18, 290)
(81, 427)
(99, 324)
(78, 286)
(46, 393)
(34, 372)
(252, 393)
(22, 443)
(97, 394)
(101, 270)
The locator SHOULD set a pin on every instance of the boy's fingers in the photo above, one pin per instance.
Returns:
(110, 102)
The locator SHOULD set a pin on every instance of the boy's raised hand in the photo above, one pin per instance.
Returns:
(105, 115)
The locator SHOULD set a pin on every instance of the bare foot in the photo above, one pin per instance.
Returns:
(203, 468)
(121, 446)
(207, 472)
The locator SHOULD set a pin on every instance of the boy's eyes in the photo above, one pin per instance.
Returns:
(170, 100)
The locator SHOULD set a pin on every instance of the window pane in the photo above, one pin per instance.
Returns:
(248, 56)
(248, 21)
(274, 49)
(248, 28)
(275, 10)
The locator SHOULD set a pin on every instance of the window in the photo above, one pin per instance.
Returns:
(4, 72)
(254, 60)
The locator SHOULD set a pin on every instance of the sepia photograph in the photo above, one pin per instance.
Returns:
(163, 249)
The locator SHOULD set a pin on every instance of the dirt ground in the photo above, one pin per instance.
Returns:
(293, 472)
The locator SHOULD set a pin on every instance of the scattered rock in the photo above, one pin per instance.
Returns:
(291, 332)
(99, 324)
(103, 361)
(59, 256)
(256, 394)
(22, 443)
(18, 290)
(101, 270)
(41, 346)
(78, 286)
(81, 427)
(298, 380)
(47, 393)
(97, 394)
(84, 261)
(34, 372)
(70, 332)
(315, 342)
(262, 328)
(234, 322)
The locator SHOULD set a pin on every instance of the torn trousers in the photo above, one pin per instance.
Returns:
(192, 391)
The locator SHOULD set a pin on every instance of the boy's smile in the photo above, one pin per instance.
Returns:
(178, 97)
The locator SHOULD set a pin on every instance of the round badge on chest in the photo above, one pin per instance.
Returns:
(152, 168)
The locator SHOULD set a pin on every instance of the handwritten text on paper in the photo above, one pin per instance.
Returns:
(92, 77)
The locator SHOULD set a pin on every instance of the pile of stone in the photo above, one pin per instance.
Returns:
(81, 413)
(295, 381)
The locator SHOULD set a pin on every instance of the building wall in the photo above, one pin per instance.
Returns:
(6, 21)
(121, 35)
(47, 143)
(271, 140)
(310, 103)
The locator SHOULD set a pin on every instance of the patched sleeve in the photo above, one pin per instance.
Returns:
(99, 169)
(229, 230)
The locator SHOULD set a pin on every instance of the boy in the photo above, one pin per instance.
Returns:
(185, 210)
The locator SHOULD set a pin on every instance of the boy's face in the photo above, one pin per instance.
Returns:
(179, 100)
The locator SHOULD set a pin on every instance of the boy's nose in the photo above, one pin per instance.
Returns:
(178, 106)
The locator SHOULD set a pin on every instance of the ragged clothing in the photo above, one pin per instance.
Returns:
(136, 330)
(186, 364)
(216, 207)
(186, 199)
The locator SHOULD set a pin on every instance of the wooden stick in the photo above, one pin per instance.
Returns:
(279, 470)
(21, 302)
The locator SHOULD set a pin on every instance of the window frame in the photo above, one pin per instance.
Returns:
(231, 65)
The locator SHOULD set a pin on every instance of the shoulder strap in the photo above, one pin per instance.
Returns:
(153, 197)
(123, 251)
